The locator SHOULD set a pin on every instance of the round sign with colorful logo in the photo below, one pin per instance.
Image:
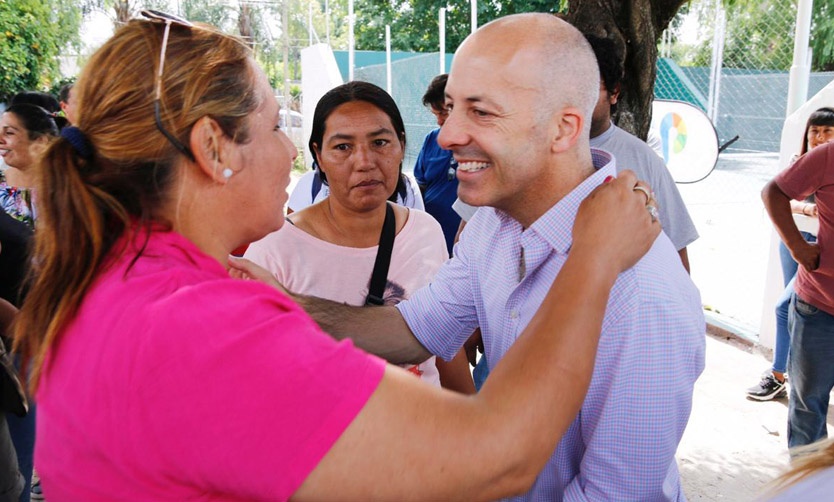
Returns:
(684, 136)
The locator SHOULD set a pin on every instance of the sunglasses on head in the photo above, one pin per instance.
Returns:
(167, 19)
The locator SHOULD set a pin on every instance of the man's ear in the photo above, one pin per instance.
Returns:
(208, 144)
(613, 97)
(569, 125)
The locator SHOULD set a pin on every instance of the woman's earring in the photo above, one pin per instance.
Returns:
(227, 173)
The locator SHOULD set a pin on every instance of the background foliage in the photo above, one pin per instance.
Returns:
(760, 31)
(32, 35)
(414, 23)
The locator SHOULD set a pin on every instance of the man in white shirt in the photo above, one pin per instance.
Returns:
(633, 153)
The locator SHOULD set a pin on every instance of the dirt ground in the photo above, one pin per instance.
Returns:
(732, 446)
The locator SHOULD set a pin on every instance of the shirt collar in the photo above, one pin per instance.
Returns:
(556, 225)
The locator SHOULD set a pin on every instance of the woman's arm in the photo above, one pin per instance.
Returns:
(412, 441)
(804, 208)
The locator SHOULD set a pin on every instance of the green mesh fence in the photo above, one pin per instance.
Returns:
(409, 78)
(734, 65)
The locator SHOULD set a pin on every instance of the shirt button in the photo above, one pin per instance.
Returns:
(514, 314)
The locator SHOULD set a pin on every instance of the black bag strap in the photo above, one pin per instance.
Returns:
(379, 277)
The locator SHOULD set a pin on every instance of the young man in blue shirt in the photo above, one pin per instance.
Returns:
(435, 169)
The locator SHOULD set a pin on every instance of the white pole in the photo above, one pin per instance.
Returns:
(801, 67)
(717, 63)
(388, 58)
(442, 22)
(350, 41)
(474, 15)
(327, 19)
(285, 27)
(797, 95)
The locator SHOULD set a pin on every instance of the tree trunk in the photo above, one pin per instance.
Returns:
(244, 24)
(123, 11)
(636, 26)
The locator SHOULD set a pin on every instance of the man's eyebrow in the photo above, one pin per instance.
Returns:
(483, 100)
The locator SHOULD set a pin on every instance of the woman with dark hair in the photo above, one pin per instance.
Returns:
(819, 130)
(25, 131)
(159, 377)
(46, 101)
(330, 248)
(313, 187)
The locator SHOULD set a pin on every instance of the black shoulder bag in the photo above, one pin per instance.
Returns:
(379, 277)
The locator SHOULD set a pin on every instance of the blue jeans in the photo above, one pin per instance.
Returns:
(22, 431)
(480, 373)
(783, 337)
(812, 371)
(11, 482)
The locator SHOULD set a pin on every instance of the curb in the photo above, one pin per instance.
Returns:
(728, 329)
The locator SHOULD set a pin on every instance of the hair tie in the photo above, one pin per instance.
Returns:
(79, 141)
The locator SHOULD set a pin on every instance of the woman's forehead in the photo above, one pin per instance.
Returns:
(353, 114)
(9, 119)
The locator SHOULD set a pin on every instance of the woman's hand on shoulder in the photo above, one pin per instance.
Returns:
(241, 268)
(615, 223)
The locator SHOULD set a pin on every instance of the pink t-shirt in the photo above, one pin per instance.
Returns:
(307, 265)
(813, 173)
(176, 382)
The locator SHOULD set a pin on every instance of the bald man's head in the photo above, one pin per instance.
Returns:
(520, 96)
(561, 62)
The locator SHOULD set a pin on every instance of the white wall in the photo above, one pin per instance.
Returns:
(791, 143)
(319, 74)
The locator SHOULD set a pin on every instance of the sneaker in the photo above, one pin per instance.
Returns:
(769, 388)
(36, 494)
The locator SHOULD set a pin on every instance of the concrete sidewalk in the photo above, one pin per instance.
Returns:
(732, 446)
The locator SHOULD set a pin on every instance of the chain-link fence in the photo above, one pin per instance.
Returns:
(735, 66)
(410, 78)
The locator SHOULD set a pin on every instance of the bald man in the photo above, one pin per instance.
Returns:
(520, 100)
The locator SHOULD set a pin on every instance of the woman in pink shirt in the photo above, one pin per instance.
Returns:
(159, 377)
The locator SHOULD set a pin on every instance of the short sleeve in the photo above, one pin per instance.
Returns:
(807, 174)
(675, 218)
(250, 395)
(442, 315)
